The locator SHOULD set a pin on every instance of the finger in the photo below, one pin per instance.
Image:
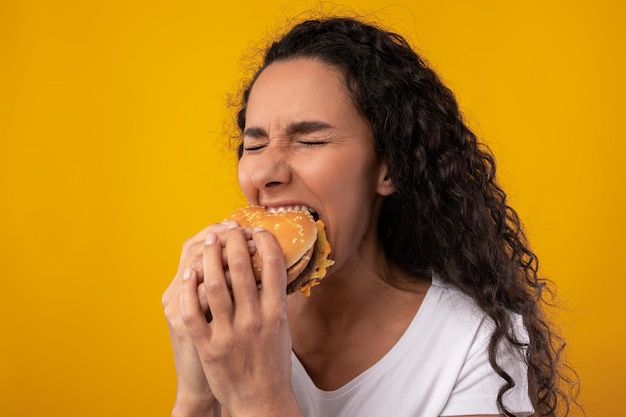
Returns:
(191, 313)
(273, 271)
(242, 278)
(249, 243)
(204, 304)
(194, 250)
(191, 257)
(215, 286)
(197, 261)
(193, 246)
(198, 238)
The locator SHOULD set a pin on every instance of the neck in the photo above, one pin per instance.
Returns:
(360, 288)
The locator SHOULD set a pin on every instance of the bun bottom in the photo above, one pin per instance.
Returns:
(316, 268)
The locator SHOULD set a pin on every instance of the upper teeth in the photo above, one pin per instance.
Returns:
(290, 208)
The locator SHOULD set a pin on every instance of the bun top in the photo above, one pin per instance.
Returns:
(295, 230)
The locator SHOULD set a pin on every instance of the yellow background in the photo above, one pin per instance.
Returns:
(111, 154)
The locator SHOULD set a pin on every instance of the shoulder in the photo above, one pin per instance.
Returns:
(448, 303)
(447, 307)
(477, 383)
(451, 297)
(460, 332)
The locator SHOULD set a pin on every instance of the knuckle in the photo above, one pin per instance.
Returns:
(185, 249)
(167, 311)
(165, 302)
(213, 286)
(171, 290)
(172, 316)
(274, 260)
(165, 298)
(188, 318)
(276, 316)
(222, 348)
(169, 294)
(197, 264)
(191, 248)
(239, 264)
(252, 325)
(192, 245)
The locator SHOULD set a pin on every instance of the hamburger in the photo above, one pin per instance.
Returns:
(301, 237)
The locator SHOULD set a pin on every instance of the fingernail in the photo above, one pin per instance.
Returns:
(187, 274)
(232, 225)
(258, 229)
(211, 238)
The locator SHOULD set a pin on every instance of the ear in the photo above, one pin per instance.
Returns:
(385, 186)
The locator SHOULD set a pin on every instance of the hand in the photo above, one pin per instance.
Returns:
(245, 350)
(193, 396)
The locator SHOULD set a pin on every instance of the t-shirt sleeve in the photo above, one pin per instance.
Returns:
(477, 385)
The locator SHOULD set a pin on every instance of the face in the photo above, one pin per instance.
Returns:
(305, 143)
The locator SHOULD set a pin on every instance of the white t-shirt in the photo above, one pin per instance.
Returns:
(439, 367)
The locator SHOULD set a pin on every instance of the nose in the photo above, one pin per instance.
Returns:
(272, 169)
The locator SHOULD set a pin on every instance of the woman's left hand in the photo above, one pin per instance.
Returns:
(245, 349)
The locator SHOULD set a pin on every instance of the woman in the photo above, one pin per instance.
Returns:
(433, 306)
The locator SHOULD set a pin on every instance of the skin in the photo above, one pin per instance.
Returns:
(305, 143)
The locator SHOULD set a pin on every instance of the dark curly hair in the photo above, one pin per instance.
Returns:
(455, 218)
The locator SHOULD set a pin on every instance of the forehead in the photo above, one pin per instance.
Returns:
(302, 69)
(297, 81)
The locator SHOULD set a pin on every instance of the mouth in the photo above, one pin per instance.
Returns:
(294, 208)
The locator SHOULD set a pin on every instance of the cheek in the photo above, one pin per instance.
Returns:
(353, 176)
(245, 180)
(351, 191)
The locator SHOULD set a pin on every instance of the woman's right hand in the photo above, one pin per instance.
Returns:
(193, 395)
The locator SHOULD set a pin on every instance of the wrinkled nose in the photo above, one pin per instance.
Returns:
(272, 169)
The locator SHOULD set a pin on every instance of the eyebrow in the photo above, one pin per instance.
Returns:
(308, 126)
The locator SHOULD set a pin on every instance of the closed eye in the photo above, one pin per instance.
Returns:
(313, 142)
(254, 139)
(306, 133)
(255, 147)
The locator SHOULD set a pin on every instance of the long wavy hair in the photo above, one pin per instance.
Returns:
(456, 221)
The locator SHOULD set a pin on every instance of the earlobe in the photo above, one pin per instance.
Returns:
(385, 184)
